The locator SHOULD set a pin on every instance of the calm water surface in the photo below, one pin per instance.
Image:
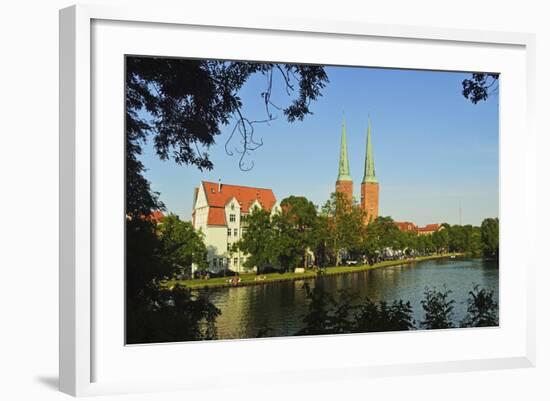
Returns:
(281, 306)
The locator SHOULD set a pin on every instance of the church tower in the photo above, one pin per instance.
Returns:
(344, 183)
(369, 186)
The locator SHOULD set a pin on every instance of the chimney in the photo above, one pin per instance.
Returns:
(219, 185)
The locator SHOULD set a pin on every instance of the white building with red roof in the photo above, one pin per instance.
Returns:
(218, 211)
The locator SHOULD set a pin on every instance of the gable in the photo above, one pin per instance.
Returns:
(219, 195)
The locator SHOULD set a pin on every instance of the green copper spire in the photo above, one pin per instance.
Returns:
(343, 166)
(370, 175)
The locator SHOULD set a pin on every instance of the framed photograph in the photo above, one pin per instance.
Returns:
(238, 192)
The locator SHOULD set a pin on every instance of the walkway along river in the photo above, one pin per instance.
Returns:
(282, 305)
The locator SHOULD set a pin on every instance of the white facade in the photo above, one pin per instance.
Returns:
(220, 236)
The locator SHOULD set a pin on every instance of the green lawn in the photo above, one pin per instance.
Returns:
(252, 278)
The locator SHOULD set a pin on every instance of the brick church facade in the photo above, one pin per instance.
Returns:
(370, 188)
(369, 185)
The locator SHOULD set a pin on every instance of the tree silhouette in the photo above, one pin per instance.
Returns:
(482, 309)
(437, 309)
(480, 86)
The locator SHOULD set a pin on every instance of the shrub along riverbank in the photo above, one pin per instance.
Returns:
(253, 279)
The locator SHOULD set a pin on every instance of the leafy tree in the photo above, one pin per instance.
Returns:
(480, 86)
(424, 244)
(186, 102)
(441, 240)
(381, 316)
(382, 233)
(482, 309)
(438, 309)
(490, 237)
(322, 248)
(302, 217)
(344, 227)
(282, 239)
(258, 240)
(287, 246)
(181, 245)
(465, 238)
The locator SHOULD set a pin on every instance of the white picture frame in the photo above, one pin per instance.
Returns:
(84, 348)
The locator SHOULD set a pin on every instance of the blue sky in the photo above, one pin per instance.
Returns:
(433, 149)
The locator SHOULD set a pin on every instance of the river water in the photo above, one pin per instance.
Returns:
(281, 306)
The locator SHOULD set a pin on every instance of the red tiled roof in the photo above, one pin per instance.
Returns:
(406, 226)
(244, 195)
(216, 216)
(429, 228)
(155, 216)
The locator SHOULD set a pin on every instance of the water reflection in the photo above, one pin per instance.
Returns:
(281, 306)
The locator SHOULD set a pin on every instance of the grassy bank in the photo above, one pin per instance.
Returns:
(253, 279)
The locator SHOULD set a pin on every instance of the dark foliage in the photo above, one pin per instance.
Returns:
(480, 86)
(382, 316)
(349, 314)
(438, 309)
(189, 100)
(154, 313)
(482, 309)
(140, 199)
(170, 315)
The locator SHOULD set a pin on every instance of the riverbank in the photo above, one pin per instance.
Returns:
(253, 279)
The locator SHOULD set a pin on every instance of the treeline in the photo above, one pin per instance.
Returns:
(300, 234)
(347, 313)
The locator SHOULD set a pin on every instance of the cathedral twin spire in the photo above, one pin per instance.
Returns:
(343, 166)
(369, 186)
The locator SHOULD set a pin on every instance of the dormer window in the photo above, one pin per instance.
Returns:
(232, 218)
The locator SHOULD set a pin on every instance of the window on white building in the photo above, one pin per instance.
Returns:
(235, 261)
(229, 232)
(236, 232)
(232, 218)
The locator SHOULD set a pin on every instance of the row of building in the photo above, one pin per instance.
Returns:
(219, 209)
